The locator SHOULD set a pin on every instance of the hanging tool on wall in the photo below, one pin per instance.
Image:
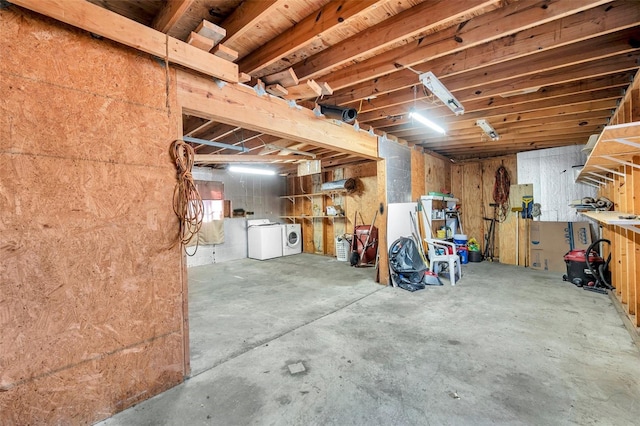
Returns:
(490, 237)
(527, 206)
(501, 188)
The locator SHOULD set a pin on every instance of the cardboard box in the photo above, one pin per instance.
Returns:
(550, 241)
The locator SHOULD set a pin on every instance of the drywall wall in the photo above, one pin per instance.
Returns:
(253, 193)
(91, 288)
(551, 173)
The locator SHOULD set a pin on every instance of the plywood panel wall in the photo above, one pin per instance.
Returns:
(473, 183)
(91, 286)
(437, 174)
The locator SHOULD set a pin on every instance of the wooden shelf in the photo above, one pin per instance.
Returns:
(313, 217)
(616, 145)
(439, 198)
(315, 194)
(613, 218)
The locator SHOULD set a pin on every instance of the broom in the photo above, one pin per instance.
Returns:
(430, 278)
(354, 258)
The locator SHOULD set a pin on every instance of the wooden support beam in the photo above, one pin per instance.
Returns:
(286, 78)
(306, 90)
(519, 23)
(245, 17)
(336, 13)
(326, 89)
(201, 42)
(225, 52)
(244, 77)
(404, 26)
(244, 158)
(211, 31)
(170, 14)
(238, 105)
(277, 90)
(97, 20)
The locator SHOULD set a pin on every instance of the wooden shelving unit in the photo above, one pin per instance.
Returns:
(614, 167)
(615, 148)
(614, 219)
(309, 197)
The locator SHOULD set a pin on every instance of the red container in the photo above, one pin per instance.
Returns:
(578, 272)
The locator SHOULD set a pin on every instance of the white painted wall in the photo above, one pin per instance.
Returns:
(551, 171)
(259, 194)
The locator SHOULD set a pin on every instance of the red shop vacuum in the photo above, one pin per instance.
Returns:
(586, 269)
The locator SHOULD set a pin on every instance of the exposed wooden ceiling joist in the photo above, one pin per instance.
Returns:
(536, 69)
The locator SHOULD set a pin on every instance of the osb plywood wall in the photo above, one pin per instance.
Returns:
(472, 182)
(90, 285)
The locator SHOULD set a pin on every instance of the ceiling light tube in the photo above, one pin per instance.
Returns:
(419, 118)
(251, 170)
(434, 85)
(488, 129)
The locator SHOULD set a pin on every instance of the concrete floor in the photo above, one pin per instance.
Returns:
(507, 345)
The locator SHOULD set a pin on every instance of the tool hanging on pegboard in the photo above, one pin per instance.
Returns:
(501, 188)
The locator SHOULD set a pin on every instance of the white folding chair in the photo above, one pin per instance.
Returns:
(439, 253)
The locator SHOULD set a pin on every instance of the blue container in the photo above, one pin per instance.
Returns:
(463, 252)
(460, 239)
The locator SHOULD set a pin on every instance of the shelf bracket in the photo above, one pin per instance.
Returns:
(610, 171)
(601, 176)
(623, 141)
(619, 161)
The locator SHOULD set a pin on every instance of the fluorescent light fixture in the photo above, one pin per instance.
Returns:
(415, 116)
(251, 170)
(432, 83)
(488, 129)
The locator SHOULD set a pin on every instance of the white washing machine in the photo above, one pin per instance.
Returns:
(264, 239)
(292, 239)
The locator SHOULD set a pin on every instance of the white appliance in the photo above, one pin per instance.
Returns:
(264, 239)
(292, 239)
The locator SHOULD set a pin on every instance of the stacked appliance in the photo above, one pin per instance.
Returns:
(267, 240)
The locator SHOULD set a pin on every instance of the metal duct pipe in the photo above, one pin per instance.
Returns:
(348, 115)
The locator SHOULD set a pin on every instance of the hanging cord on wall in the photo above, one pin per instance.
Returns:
(501, 192)
(187, 203)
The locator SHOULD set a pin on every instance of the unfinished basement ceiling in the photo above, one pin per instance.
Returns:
(543, 73)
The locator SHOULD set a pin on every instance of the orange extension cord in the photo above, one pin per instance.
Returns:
(501, 189)
(187, 203)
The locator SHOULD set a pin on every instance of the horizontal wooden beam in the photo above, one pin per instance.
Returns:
(239, 105)
(243, 158)
(170, 14)
(92, 18)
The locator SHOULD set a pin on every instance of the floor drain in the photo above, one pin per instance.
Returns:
(296, 368)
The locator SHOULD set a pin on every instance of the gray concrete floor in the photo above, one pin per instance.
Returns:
(506, 345)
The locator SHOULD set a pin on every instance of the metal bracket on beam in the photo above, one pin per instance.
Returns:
(260, 89)
(216, 144)
(219, 83)
(356, 126)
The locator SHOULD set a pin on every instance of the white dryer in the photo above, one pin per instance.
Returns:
(264, 239)
(292, 239)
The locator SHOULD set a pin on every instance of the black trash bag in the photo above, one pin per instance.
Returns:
(408, 270)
